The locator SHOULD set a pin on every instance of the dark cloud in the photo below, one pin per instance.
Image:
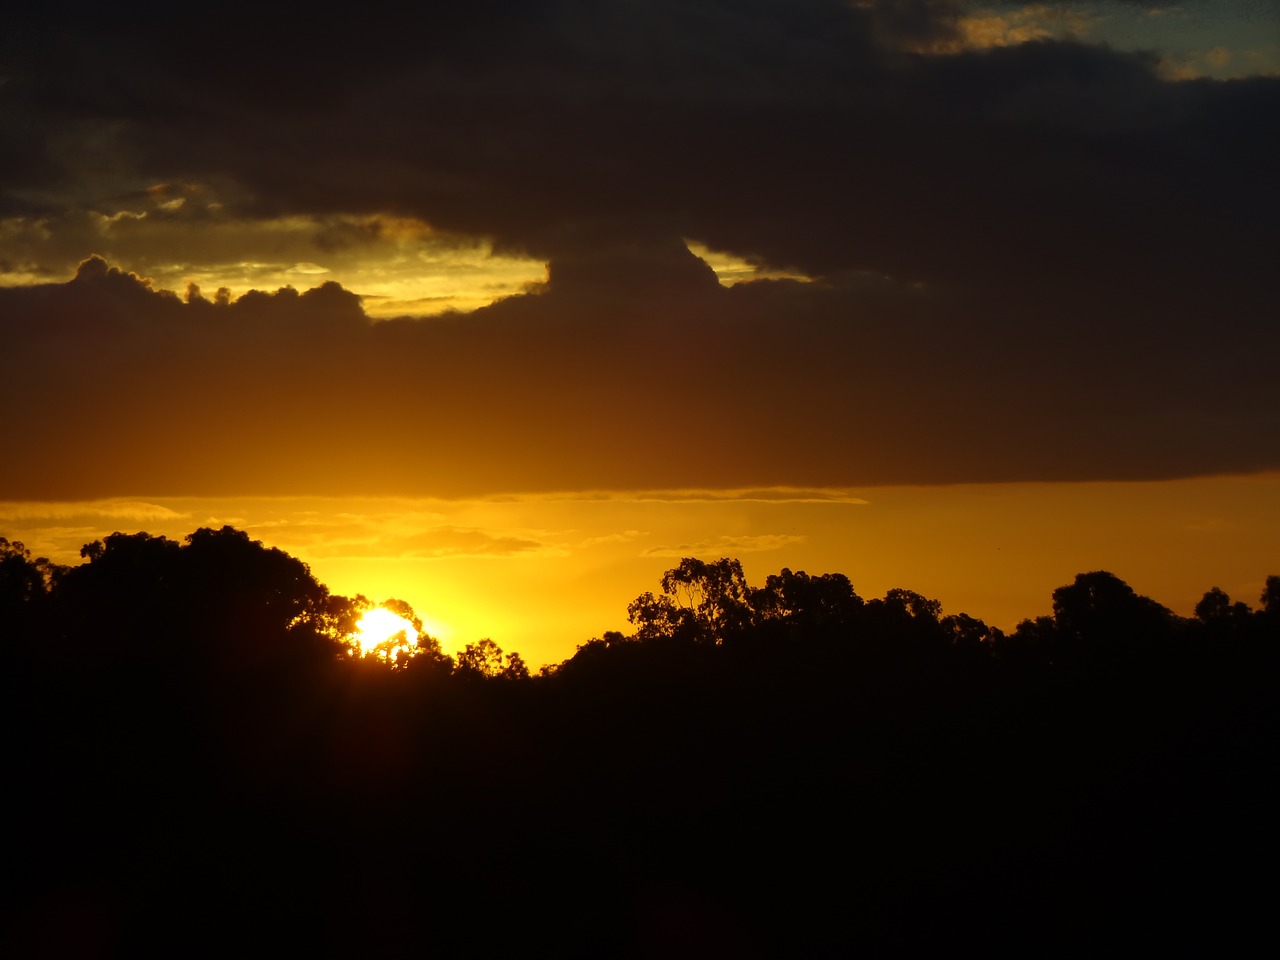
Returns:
(1036, 262)
(119, 389)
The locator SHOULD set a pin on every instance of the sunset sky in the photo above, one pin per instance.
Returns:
(503, 307)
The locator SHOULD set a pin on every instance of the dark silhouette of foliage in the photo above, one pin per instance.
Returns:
(25, 582)
(1220, 616)
(807, 607)
(23, 577)
(425, 654)
(969, 634)
(715, 593)
(1270, 599)
(485, 659)
(661, 618)
(1100, 607)
(784, 770)
(701, 602)
(1214, 605)
(221, 601)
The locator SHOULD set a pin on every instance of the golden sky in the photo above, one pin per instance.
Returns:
(955, 296)
(541, 574)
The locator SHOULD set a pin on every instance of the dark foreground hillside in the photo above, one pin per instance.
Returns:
(192, 766)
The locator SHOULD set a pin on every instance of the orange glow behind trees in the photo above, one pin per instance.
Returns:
(383, 634)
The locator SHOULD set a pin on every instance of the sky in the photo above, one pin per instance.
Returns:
(502, 308)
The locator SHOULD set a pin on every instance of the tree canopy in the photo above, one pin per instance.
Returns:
(191, 743)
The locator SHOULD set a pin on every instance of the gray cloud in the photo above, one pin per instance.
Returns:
(1040, 261)
(674, 386)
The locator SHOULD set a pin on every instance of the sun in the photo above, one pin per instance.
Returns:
(384, 634)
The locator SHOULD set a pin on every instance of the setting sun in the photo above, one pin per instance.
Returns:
(384, 634)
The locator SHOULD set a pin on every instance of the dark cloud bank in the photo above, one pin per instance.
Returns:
(1037, 262)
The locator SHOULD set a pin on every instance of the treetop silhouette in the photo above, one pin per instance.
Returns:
(184, 722)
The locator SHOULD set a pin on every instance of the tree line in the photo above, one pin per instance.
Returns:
(222, 597)
(193, 749)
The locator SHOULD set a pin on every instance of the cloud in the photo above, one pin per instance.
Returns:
(433, 543)
(983, 27)
(59, 529)
(1223, 63)
(780, 494)
(684, 119)
(366, 528)
(401, 264)
(764, 384)
(725, 546)
(139, 511)
(626, 536)
(1037, 260)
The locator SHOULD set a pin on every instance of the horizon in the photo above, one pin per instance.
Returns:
(485, 308)
(519, 593)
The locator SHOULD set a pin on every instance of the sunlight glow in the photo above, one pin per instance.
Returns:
(399, 266)
(730, 269)
(383, 634)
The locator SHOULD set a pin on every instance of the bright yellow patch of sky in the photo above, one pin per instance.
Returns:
(399, 266)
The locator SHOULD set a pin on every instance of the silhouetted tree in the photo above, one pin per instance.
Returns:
(253, 604)
(968, 634)
(1271, 597)
(918, 606)
(221, 750)
(22, 576)
(1099, 620)
(24, 582)
(661, 618)
(395, 651)
(402, 609)
(221, 600)
(427, 653)
(1034, 641)
(1100, 617)
(126, 603)
(485, 658)
(1216, 611)
(903, 628)
(1214, 605)
(808, 607)
(701, 601)
(516, 668)
(339, 617)
(25, 585)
